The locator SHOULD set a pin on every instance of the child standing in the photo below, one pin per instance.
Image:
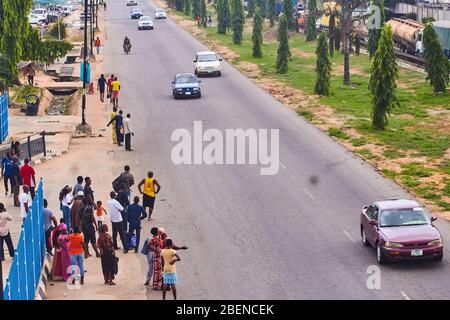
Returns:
(99, 212)
(170, 279)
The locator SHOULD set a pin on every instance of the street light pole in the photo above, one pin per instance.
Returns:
(85, 54)
(91, 15)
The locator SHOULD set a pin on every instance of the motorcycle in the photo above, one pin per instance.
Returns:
(126, 48)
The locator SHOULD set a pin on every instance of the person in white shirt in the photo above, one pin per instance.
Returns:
(128, 132)
(114, 211)
(5, 218)
(66, 198)
(25, 202)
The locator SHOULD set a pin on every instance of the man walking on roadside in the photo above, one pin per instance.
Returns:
(151, 188)
(88, 192)
(110, 80)
(114, 210)
(128, 132)
(135, 213)
(49, 219)
(76, 207)
(16, 179)
(114, 133)
(97, 45)
(118, 122)
(25, 203)
(101, 85)
(7, 167)
(28, 177)
(127, 180)
(115, 88)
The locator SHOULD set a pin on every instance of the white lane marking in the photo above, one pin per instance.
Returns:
(282, 165)
(309, 193)
(349, 236)
(405, 295)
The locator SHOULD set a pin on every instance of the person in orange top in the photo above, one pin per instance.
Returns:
(76, 242)
(99, 212)
(97, 45)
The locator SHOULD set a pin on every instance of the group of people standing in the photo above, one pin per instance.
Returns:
(121, 127)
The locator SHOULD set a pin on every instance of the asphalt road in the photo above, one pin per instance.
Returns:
(252, 236)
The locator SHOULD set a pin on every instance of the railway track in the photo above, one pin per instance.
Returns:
(409, 58)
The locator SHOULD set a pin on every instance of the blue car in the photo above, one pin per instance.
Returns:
(186, 85)
(136, 13)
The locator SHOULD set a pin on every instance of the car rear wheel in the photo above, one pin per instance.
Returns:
(380, 257)
(364, 238)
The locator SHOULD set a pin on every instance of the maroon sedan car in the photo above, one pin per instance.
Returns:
(400, 230)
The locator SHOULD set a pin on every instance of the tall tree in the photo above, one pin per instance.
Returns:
(227, 13)
(196, 9)
(323, 66)
(437, 64)
(288, 12)
(283, 54)
(179, 5)
(262, 6)
(5, 74)
(382, 86)
(374, 29)
(237, 21)
(14, 29)
(187, 7)
(257, 37)
(221, 19)
(311, 33)
(250, 8)
(203, 13)
(272, 12)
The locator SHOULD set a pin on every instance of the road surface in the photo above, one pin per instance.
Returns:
(252, 236)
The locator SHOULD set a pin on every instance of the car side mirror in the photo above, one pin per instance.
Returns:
(195, 60)
(433, 219)
(173, 82)
(199, 81)
(220, 59)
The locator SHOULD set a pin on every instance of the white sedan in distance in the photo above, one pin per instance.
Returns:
(145, 22)
(160, 14)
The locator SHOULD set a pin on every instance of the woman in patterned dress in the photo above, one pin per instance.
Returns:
(155, 247)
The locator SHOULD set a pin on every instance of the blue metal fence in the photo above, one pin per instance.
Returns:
(3, 117)
(23, 277)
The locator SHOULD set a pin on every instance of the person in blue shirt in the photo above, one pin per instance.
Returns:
(7, 168)
(136, 213)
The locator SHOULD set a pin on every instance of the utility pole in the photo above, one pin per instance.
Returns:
(91, 15)
(96, 14)
(85, 69)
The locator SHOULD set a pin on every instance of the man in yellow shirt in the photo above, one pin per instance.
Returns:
(169, 257)
(115, 88)
(151, 188)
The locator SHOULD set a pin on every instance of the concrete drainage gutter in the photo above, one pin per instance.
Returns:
(41, 290)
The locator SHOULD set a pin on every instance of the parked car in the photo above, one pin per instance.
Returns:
(145, 22)
(131, 3)
(136, 13)
(34, 19)
(400, 229)
(41, 13)
(186, 85)
(207, 63)
(160, 14)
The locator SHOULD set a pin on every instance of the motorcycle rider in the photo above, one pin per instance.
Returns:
(126, 44)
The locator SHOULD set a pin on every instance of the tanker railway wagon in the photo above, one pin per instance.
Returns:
(407, 35)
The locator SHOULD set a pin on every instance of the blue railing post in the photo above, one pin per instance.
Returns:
(24, 274)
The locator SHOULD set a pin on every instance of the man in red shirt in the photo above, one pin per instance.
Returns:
(109, 92)
(27, 173)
